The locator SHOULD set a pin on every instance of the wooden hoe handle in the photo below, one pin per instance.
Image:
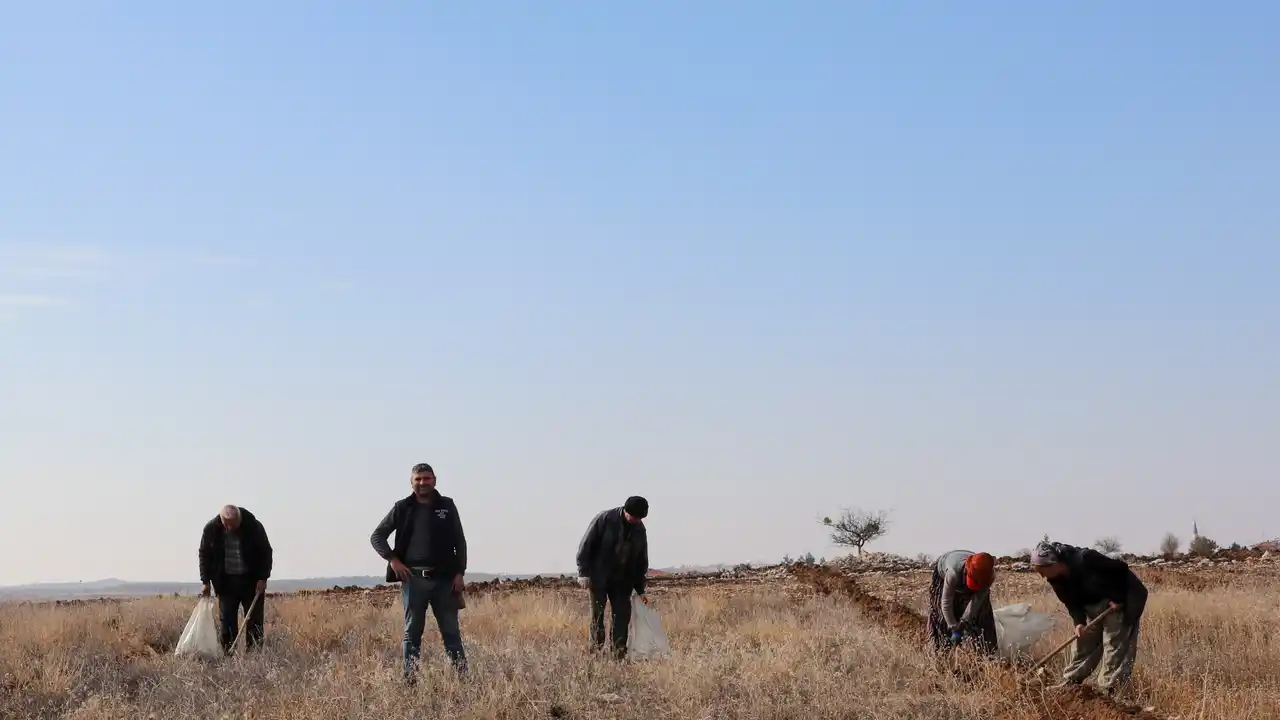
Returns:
(245, 624)
(1072, 639)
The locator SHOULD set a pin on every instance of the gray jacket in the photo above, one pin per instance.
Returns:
(951, 567)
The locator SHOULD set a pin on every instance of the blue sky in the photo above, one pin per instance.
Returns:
(1003, 270)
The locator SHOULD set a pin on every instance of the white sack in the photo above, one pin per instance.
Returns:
(1018, 629)
(200, 636)
(645, 637)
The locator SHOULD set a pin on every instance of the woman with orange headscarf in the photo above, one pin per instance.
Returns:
(960, 600)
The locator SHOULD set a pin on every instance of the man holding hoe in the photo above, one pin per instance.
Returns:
(235, 561)
(1090, 584)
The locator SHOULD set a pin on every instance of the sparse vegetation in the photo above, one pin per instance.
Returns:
(1209, 653)
(1202, 546)
(1170, 545)
(855, 528)
(1109, 544)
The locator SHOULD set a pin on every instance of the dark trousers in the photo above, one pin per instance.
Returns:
(619, 599)
(416, 595)
(237, 592)
(982, 633)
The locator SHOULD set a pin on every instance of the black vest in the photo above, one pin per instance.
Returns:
(443, 555)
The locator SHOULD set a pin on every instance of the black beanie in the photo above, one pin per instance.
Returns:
(636, 506)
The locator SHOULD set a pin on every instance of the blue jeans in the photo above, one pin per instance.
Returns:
(415, 595)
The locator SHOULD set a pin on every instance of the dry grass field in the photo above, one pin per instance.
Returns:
(805, 645)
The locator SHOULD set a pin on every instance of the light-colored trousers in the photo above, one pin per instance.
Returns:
(1112, 643)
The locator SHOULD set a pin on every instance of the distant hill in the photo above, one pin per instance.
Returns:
(119, 588)
(113, 587)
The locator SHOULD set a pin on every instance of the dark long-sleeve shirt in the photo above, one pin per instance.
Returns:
(614, 552)
(445, 544)
(380, 539)
(1093, 578)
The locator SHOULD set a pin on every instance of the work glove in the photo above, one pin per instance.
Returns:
(584, 582)
(957, 636)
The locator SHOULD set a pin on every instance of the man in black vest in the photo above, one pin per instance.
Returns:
(429, 561)
(613, 560)
(235, 560)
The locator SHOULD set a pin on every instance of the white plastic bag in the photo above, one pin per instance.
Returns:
(1018, 629)
(645, 638)
(200, 636)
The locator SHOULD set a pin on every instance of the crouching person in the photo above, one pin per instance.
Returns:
(235, 562)
(429, 561)
(613, 560)
(960, 601)
(1088, 583)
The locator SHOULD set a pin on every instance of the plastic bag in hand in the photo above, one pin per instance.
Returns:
(200, 636)
(1018, 629)
(645, 638)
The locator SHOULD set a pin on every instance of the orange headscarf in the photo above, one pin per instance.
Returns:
(979, 571)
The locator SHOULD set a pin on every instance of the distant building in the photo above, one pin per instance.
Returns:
(1268, 546)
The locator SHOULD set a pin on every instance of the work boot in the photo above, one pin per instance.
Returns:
(1065, 684)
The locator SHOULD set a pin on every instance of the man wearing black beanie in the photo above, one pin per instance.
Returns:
(613, 561)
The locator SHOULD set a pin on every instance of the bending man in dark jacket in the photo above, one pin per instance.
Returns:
(429, 561)
(1088, 582)
(235, 560)
(613, 560)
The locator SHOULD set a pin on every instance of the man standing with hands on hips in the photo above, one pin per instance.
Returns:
(613, 560)
(429, 561)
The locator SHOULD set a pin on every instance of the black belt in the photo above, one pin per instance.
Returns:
(422, 572)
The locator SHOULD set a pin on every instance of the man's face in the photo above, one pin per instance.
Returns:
(230, 523)
(630, 518)
(423, 483)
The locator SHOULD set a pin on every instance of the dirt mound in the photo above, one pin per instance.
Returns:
(1080, 703)
(502, 586)
(890, 614)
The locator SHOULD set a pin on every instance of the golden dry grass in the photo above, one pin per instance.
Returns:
(1211, 652)
(759, 651)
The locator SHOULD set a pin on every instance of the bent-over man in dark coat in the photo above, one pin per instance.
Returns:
(429, 561)
(235, 561)
(613, 561)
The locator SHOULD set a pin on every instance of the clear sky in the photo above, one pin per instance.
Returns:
(1001, 268)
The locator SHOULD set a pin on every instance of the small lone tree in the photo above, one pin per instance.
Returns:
(1109, 544)
(808, 559)
(1169, 545)
(1202, 546)
(856, 528)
